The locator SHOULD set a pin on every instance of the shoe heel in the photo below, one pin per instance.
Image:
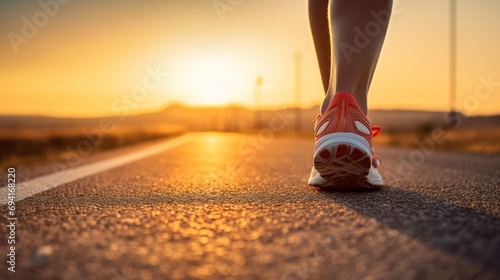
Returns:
(345, 165)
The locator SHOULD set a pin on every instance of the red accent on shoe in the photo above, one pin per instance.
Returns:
(341, 115)
(325, 154)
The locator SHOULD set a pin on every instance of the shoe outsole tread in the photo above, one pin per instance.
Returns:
(344, 166)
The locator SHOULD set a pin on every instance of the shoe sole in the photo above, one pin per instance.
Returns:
(344, 160)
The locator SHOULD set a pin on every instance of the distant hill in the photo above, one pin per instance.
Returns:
(241, 119)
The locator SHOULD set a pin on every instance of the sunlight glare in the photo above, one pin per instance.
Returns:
(214, 81)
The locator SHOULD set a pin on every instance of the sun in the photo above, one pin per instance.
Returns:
(215, 81)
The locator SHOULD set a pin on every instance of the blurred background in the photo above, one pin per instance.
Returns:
(134, 71)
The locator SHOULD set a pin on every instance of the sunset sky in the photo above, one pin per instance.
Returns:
(91, 53)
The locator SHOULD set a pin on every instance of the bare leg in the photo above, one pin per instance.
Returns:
(358, 29)
(320, 27)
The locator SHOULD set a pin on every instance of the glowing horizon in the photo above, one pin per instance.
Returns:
(88, 55)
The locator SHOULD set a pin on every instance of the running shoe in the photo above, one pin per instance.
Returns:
(344, 157)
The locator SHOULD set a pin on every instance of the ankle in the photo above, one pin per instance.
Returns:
(326, 101)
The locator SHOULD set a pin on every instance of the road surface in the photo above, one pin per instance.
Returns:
(230, 206)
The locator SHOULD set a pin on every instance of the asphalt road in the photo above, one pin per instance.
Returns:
(224, 206)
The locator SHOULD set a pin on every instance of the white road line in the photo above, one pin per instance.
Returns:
(47, 182)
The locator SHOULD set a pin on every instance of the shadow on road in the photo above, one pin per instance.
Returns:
(449, 227)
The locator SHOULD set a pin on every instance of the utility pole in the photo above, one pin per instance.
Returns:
(453, 63)
(258, 113)
(298, 90)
